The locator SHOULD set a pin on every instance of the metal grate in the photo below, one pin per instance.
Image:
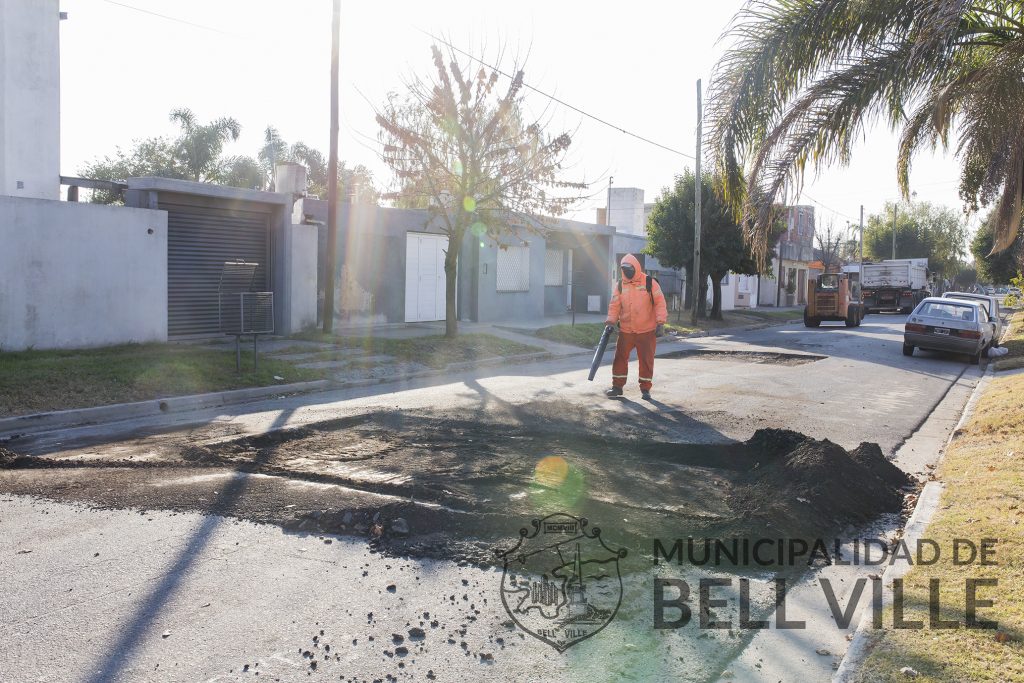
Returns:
(513, 272)
(241, 310)
(554, 267)
(257, 312)
(236, 277)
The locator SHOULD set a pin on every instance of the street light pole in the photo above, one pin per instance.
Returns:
(332, 177)
(894, 205)
(697, 209)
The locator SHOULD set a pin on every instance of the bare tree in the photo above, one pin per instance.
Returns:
(830, 242)
(469, 154)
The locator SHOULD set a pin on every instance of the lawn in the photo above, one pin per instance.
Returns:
(588, 334)
(1014, 342)
(984, 476)
(36, 381)
(772, 314)
(435, 351)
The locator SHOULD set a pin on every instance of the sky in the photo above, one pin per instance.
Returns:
(267, 62)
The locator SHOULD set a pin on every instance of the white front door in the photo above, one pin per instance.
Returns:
(424, 277)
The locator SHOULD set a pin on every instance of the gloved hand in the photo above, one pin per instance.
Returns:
(660, 330)
(608, 327)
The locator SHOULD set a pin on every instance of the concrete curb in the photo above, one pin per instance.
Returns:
(20, 424)
(861, 644)
(927, 504)
(23, 425)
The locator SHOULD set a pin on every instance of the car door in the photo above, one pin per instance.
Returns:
(986, 325)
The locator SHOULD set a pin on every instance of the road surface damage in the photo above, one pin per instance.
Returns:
(429, 485)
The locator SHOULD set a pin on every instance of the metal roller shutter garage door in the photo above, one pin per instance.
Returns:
(199, 241)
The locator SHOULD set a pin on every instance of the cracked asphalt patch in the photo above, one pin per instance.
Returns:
(766, 357)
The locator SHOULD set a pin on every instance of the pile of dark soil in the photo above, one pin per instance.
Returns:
(805, 487)
(7, 458)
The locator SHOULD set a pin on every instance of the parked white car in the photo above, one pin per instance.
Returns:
(991, 306)
(950, 325)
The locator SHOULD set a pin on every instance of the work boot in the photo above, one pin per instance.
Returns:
(613, 392)
(646, 395)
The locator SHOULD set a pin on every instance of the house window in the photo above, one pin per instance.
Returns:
(725, 279)
(513, 273)
(554, 267)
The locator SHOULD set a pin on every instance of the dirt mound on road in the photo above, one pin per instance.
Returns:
(428, 484)
(870, 456)
(805, 486)
(7, 458)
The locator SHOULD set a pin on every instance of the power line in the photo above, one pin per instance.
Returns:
(562, 102)
(829, 208)
(169, 18)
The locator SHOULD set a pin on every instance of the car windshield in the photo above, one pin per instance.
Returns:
(944, 310)
(986, 302)
(830, 282)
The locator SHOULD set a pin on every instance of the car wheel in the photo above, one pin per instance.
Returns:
(976, 358)
(908, 349)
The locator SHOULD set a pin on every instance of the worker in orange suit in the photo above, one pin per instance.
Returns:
(638, 307)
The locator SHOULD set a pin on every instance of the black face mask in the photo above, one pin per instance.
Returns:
(629, 272)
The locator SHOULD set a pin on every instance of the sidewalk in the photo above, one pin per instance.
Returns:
(980, 478)
(340, 366)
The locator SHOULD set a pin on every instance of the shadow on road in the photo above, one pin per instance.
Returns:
(140, 626)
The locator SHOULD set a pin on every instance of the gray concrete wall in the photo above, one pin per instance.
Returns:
(370, 268)
(80, 275)
(495, 306)
(300, 289)
(594, 272)
(29, 98)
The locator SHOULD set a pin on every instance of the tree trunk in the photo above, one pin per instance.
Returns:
(451, 269)
(716, 295)
(702, 299)
(688, 294)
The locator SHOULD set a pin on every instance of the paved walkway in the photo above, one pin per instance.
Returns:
(347, 364)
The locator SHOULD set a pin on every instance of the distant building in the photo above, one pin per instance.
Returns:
(793, 258)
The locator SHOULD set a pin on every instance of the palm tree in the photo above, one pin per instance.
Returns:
(806, 78)
(200, 145)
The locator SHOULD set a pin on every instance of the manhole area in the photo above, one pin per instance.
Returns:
(762, 357)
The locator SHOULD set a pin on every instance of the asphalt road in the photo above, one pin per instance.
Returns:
(109, 594)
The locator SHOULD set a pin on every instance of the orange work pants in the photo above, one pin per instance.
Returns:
(644, 343)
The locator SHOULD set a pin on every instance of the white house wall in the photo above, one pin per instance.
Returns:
(79, 275)
(29, 98)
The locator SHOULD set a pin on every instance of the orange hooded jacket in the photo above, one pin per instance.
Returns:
(633, 308)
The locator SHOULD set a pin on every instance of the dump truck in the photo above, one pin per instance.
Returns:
(895, 284)
(833, 297)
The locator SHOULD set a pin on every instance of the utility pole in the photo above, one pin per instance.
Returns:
(697, 209)
(862, 239)
(608, 210)
(332, 177)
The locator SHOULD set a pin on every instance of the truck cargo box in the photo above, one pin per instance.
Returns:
(903, 275)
